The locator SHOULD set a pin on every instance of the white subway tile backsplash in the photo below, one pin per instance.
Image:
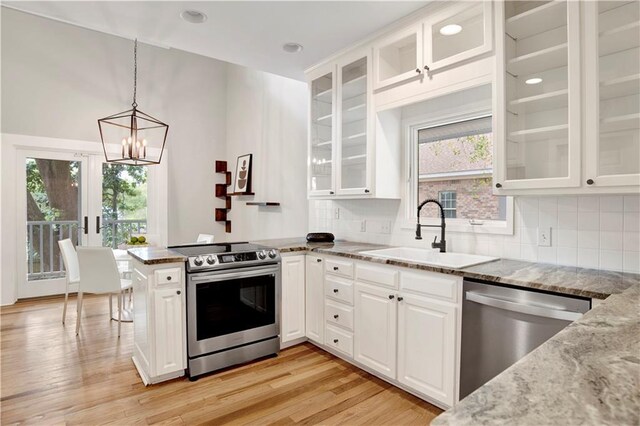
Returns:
(611, 260)
(588, 258)
(588, 239)
(588, 221)
(588, 204)
(611, 240)
(611, 221)
(565, 238)
(612, 203)
(568, 220)
(588, 231)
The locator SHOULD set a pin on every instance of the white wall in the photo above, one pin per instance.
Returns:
(600, 232)
(266, 117)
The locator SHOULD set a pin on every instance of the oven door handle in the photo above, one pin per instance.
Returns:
(232, 275)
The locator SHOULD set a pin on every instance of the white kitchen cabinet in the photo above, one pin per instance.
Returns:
(322, 131)
(293, 298)
(457, 33)
(612, 103)
(169, 329)
(314, 298)
(427, 346)
(537, 120)
(398, 57)
(159, 321)
(375, 328)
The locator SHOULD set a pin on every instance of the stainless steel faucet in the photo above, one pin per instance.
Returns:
(442, 245)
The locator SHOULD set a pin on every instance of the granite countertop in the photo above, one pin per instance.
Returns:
(589, 373)
(575, 281)
(156, 255)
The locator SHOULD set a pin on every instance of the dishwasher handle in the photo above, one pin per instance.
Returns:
(510, 305)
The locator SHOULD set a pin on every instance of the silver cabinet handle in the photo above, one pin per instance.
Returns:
(513, 306)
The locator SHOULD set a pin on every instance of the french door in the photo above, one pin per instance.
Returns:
(75, 196)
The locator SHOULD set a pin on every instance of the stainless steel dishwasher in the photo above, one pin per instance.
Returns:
(502, 324)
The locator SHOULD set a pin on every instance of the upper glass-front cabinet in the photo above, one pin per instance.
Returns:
(322, 135)
(459, 32)
(354, 128)
(398, 57)
(538, 94)
(612, 56)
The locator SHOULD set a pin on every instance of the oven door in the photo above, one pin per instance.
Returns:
(231, 308)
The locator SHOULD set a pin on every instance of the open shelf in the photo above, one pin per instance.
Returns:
(618, 39)
(538, 20)
(355, 87)
(545, 59)
(324, 96)
(620, 122)
(621, 86)
(540, 133)
(543, 102)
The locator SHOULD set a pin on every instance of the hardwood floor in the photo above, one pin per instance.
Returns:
(49, 376)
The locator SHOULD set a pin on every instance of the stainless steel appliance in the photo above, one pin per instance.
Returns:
(233, 293)
(502, 324)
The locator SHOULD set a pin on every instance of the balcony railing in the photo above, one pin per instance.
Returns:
(44, 260)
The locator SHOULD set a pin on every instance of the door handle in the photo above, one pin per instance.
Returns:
(86, 225)
(97, 224)
(523, 308)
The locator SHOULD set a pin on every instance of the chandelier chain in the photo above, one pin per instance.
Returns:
(135, 72)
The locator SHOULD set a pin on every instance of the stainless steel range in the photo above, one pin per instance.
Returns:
(233, 293)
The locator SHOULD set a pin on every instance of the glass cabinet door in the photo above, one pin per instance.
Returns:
(614, 134)
(459, 33)
(321, 135)
(353, 127)
(540, 94)
(398, 57)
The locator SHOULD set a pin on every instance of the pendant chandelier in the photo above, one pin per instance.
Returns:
(134, 131)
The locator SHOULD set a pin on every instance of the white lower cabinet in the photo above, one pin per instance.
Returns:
(159, 321)
(168, 311)
(314, 299)
(375, 328)
(427, 346)
(292, 326)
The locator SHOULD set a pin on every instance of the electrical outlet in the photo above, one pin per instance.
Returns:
(363, 226)
(385, 227)
(336, 213)
(544, 237)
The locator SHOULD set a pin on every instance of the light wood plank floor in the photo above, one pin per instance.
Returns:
(49, 376)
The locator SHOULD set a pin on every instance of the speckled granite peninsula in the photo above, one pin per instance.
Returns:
(588, 374)
(559, 279)
(155, 255)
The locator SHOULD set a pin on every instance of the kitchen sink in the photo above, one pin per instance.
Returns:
(430, 257)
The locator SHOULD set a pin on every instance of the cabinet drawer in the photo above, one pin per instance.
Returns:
(339, 314)
(339, 289)
(377, 275)
(339, 267)
(442, 286)
(339, 339)
(167, 276)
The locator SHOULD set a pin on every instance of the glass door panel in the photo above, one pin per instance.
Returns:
(619, 88)
(398, 57)
(124, 204)
(537, 80)
(353, 117)
(322, 122)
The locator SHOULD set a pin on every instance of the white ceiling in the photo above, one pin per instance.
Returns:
(249, 33)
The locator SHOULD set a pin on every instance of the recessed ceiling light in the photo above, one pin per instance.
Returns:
(193, 16)
(450, 29)
(292, 47)
(534, 80)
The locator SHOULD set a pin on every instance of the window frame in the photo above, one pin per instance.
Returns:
(411, 166)
(453, 198)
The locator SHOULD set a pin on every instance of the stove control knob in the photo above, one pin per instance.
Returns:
(198, 261)
(237, 258)
(272, 254)
(262, 255)
(211, 260)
